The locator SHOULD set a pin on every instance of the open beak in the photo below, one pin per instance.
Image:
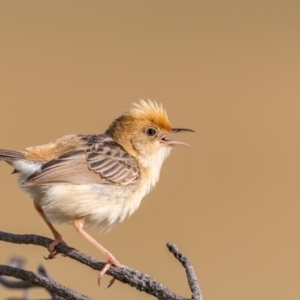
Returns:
(173, 143)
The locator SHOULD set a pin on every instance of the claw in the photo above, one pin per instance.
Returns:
(51, 248)
(111, 282)
(105, 269)
(50, 256)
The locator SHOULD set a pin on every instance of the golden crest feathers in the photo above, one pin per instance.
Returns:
(152, 111)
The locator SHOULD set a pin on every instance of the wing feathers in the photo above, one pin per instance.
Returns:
(100, 163)
(113, 170)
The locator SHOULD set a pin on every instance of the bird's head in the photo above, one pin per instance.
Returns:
(143, 131)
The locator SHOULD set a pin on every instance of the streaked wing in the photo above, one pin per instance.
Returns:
(101, 163)
(113, 163)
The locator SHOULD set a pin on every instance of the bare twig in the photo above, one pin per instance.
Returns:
(42, 271)
(190, 273)
(18, 262)
(45, 282)
(136, 279)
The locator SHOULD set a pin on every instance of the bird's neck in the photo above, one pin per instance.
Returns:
(150, 167)
(123, 141)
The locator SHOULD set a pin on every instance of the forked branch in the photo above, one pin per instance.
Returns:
(134, 278)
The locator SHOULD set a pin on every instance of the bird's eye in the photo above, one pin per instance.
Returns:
(150, 131)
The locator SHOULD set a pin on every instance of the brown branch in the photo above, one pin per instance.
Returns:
(134, 278)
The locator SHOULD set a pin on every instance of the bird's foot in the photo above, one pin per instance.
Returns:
(51, 248)
(107, 266)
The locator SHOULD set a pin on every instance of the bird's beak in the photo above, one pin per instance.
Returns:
(173, 143)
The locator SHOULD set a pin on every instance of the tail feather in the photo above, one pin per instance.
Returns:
(9, 155)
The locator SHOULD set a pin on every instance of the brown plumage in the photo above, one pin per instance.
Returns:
(101, 162)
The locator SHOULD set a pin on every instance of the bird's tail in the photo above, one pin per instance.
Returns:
(10, 156)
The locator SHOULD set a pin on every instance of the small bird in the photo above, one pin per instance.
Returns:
(97, 179)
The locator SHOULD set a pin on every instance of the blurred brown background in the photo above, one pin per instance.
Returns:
(229, 70)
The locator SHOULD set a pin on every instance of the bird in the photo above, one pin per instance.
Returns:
(96, 179)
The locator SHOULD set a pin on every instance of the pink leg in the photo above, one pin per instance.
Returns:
(57, 237)
(111, 260)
